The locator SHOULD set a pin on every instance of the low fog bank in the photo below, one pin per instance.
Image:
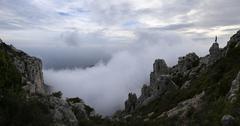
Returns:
(106, 85)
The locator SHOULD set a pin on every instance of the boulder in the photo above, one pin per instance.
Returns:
(232, 94)
(228, 120)
(79, 111)
(62, 112)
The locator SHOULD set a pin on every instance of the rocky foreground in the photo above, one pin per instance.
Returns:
(198, 91)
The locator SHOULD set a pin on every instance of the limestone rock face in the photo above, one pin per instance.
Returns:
(160, 67)
(232, 94)
(29, 67)
(146, 92)
(65, 112)
(186, 62)
(183, 107)
(62, 112)
(160, 84)
(233, 42)
(131, 102)
(163, 85)
(235, 38)
(79, 108)
(187, 68)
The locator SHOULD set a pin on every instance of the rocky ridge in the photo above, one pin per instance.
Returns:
(30, 68)
(64, 112)
(166, 80)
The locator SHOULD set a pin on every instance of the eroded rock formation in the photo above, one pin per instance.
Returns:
(131, 102)
(30, 68)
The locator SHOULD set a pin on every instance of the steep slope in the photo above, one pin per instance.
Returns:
(24, 98)
(29, 67)
(196, 91)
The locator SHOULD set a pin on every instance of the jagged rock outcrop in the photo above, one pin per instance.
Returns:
(29, 67)
(232, 43)
(160, 84)
(163, 84)
(232, 94)
(185, 63)
(215, 53)
(235, 39)
(62, 112)
(81, 110)
(146, 92)
(131, 102)
(67, 112)
(159, 68)
(164, 80)
(187, 68)
(203, 96)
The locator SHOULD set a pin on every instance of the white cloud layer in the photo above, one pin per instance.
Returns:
(105, 86)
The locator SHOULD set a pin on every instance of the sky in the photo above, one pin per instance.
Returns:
(100, 50)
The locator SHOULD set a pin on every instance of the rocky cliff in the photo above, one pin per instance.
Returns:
(29, 67)
(28, 88)
(179, 95)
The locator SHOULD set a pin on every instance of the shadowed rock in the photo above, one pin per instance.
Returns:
(131, 102)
